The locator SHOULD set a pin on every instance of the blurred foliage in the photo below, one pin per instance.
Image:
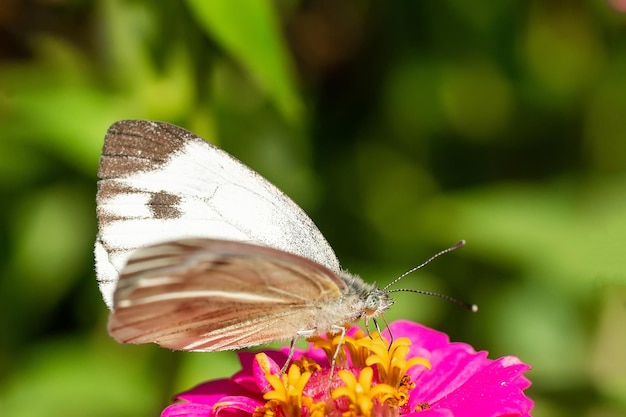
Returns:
(400, 126)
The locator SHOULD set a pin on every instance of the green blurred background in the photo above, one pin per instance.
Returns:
(399, 126)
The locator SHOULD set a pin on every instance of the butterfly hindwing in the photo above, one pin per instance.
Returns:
(207, 294)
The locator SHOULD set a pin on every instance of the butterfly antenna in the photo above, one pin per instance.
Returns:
(457, 245)
(467, 306)
(471, 307)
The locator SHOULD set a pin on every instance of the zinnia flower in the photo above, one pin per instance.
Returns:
(420, 374)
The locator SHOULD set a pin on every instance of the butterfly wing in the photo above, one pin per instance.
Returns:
(208, 295)
(160, 183)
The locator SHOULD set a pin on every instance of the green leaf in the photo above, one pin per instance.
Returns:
(249, 30)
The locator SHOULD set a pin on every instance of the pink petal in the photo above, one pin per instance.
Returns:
(473, 385)
(422, 336)
(246, 377)
(491, 392)
(236, 406)
(451, 368)
(211, 392)
(259, 370)
(424, 340)
(462, 380)
(431, 413)
(188, 410)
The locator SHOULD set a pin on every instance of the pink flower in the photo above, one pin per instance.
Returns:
(420, 374)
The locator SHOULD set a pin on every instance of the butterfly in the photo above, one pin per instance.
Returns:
(195, 251)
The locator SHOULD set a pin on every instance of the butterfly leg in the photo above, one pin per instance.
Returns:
(342, 330)
(378, 329)
(292, 348)
(387, 327)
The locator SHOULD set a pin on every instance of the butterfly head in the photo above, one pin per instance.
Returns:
(376, 303)
(374, 306)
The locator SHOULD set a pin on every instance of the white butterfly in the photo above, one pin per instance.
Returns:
(195, 251)
(257, 269)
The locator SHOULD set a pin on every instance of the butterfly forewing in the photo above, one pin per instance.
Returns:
(160, 183)
(207, 295)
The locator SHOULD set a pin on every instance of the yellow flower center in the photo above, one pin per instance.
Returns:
(391, 360)
(367, 394)
(330, 347)
(287, 390)
(363, 396)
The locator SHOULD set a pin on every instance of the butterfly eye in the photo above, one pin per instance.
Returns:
(372, 303)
